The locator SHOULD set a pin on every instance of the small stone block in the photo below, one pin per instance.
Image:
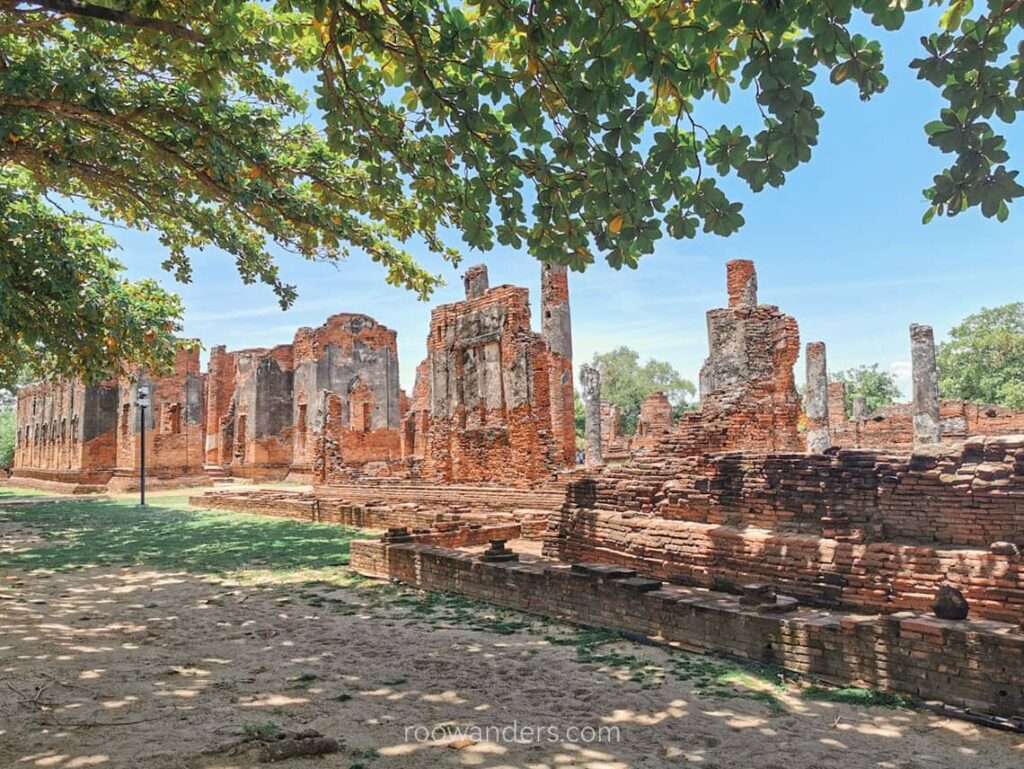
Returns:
(757, 593)
(1003, 548)
(640, 584)
(781, 605)
(603, 570)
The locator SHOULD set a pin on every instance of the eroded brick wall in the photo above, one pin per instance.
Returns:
(355, 359)
(892, 427)
(65, 434)
(175, 424)
(655, 421)
(489, 383)
(968, 664)
(858, 529)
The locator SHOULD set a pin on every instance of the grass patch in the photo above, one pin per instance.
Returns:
(168, 534)
(710, 676)
(856, 696)
(24, 491)
(269, 730)
(259, 550)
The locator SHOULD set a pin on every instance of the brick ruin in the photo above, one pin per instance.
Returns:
(892, 427)
(655, 421)
(773, 527)
(760, 525)
(493, 402)
(78, 437)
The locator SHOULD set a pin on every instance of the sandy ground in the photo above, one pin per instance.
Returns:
(133, 667)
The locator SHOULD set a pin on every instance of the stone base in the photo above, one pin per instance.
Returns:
(129, 481)
(970, 664)
(69, 486)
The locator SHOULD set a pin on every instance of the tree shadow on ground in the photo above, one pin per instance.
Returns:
(169, 535)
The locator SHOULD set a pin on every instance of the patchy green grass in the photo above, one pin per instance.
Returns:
(21, 491)
(168, 534)
(857, 696)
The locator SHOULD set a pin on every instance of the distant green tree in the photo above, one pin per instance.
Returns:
(625, 383)
(983, 361)
(7, 429)
(581, 417)
(878, 388)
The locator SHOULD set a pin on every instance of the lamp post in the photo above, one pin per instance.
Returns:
(142, 400)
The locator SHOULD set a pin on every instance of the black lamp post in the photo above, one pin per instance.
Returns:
(142, 401)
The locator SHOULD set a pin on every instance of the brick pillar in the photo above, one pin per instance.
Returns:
(475, 280)
(816, 399)
(860, 407)
(927, 428)
(836, 405)
(556, 325)
(741, 281)
(214, 406)
(591, 379)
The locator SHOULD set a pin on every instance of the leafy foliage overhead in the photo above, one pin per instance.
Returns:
(64, 306)
(566, 127)
(878, 388)
(625, 383)
(983, 360)
(571, 129)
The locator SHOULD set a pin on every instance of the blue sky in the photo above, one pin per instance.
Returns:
(840, 247)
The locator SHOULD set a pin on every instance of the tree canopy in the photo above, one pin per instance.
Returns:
(878, 388)
(625, 383)
(570, 129)
(983, 360)
(63, 303)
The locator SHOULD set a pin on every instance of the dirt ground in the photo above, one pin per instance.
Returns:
(126, 643)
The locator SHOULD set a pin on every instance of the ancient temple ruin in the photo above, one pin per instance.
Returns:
(774, 527)
(77, 437)
(493, 400)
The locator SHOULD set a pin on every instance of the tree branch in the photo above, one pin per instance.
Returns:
(102, 13)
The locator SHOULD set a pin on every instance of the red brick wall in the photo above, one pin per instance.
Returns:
(502, 432)
(175, 446)
(654, 422)
(859, 529)
(892, 427)
(968, 664)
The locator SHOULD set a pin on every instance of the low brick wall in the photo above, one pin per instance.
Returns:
(462, 531)
(530, 524)
(976, 664)
(874, 577)
(548, 496)
(970, 495)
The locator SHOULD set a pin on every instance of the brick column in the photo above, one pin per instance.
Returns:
(927, 428)
(741, 282)
(860, 407)
(591, 379)
(556, 327)
(816, 399)
(476, 281)
(836, 405)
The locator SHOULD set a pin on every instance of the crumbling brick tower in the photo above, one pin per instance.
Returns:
(747, 391)
(556, 326)
(249, 415)
(655, 420)
(490, 411)
(355, 359)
